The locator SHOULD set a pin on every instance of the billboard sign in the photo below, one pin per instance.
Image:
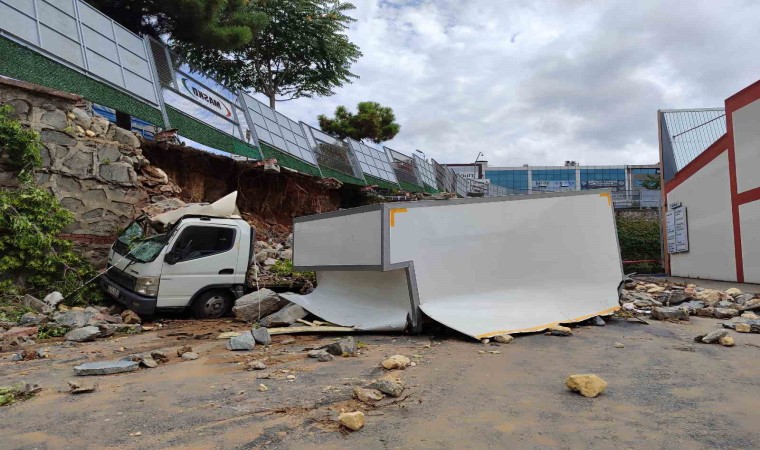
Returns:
(204, 96)
(553, 185)
(678, 230)
(614, 185)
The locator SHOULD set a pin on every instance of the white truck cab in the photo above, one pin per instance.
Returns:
(200, 262)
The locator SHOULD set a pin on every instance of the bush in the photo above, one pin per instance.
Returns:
(639, 239)
(33, 260)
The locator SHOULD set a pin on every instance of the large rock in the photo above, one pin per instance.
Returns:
(726, 341)
(251, 307)
(677, 298)
(670, 313)
(559, 330)
(588, 385)
(72, 318)
(261, 335)
(287, 254)
(284, 317)
(392, 387)
(396, 362)
(123, 136)
(81, 118)
(692, 306)
(30, 319)
(106, 367)
(83, 334)
(733, 292)
(743, 328)
(713, 336)
(352, 420)
(117, 172)
(366, 395)
(751, 305)
(35, 304)
(53, 299)
(130, 317)
(744, 298)
(342, 347)
(503, 339)
(243, 342)
(725, 313)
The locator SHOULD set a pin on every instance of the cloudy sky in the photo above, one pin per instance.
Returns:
(541, 82)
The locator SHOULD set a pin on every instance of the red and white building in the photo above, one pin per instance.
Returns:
(717, 190)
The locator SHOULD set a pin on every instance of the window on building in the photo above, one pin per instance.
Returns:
(511, 179)
(603, 178)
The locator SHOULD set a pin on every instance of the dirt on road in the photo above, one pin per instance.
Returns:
(665, 391)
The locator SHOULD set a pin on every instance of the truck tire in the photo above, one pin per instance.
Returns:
(212, 304)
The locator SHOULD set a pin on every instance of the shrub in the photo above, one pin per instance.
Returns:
(639, 239)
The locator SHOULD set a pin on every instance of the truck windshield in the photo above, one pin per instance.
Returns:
(140, 241)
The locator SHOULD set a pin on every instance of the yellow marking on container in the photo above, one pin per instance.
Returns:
(609, 197)
(393, 215)
(545, 326)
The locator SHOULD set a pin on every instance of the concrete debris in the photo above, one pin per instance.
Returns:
(105, 367)
(255, 365)
(53, 299)
(130, 317)
(392, 387)
(35, 304)
(251, 307)
(284, 317)
(354, 421)
(559, 330)
(750, 315)
(83, 334)
(733, 292)
(396, 362)
(320, 355)
(751, 305)
(503, 339)
(670, 313)
(190, 356)
(619, 345)
(343, 347)
(588, 385)
(78, 387)
(726, 341)
(149, 362)
(16, 357)
(713, 336)
(743, 298)
(30, 318)
(72, 318)
(725, 313)
(743, 328)
(598, 321)
(244, 342)
(184, 349)
(366, 395)
(261, 335)
(159, 356)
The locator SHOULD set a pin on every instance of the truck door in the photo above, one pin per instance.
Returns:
(205, 255)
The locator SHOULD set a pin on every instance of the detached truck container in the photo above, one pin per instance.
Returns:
(194, 257)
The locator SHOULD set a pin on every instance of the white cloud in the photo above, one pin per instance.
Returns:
(582, 79)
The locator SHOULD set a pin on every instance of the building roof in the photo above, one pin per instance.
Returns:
(686, 133)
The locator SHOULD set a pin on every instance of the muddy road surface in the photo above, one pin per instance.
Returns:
(665, 391)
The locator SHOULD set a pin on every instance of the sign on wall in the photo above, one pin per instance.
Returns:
(677, 229)
(553, 186)
(205, 96)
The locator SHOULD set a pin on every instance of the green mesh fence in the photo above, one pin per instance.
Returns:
(200, 132)
(410, 187)
(430, 190)
(379, 182)
(17, 61)
(331, 173)
(286, 160)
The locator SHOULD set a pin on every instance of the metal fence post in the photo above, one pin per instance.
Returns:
(247, 114)
(156, 82)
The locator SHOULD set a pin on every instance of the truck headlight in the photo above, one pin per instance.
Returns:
(147, 286)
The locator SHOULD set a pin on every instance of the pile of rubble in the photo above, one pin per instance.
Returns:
(669, 301)
(51, 318)
(272, 268)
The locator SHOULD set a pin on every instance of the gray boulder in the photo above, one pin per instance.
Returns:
(345, 346)
(670, 313)
(105, 367)
(744, 298)
(81, 118)
(676, 298)
(714, 336)
(388, 386)
(244, 342)
(122, 136)
(29, 319)
(35, 304)
(692, 306)
(725, 313)
(263, 302)
(284, 317)
(83, 334)
(72, 319)
(261, 335)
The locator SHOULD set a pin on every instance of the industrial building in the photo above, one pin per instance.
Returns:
(711, 179)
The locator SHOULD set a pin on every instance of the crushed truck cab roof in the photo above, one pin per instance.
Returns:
(484, 266)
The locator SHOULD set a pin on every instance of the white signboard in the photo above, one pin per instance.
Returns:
(204, 96)
(678, 230)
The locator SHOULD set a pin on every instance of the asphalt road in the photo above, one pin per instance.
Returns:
(665, 391)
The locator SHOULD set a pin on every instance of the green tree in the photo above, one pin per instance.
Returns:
(302, 52)
(372, 121)
(652, 182)
(211, 24)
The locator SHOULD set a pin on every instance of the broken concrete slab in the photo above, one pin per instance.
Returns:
(105, 367)
(83, 334)
(284, 317)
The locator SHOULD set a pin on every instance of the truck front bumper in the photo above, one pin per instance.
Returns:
(140, 304)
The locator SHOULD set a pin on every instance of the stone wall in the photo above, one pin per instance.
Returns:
(95, 169)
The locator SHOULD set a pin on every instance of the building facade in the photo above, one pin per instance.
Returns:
(713, 197)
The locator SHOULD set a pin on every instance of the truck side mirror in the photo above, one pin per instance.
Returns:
(171, 258)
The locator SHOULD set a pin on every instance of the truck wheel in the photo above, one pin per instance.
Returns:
(212, 304)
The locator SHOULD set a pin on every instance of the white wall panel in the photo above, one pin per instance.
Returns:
(749, 217)
(747, 146)
(707, 197)
(336, 241)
